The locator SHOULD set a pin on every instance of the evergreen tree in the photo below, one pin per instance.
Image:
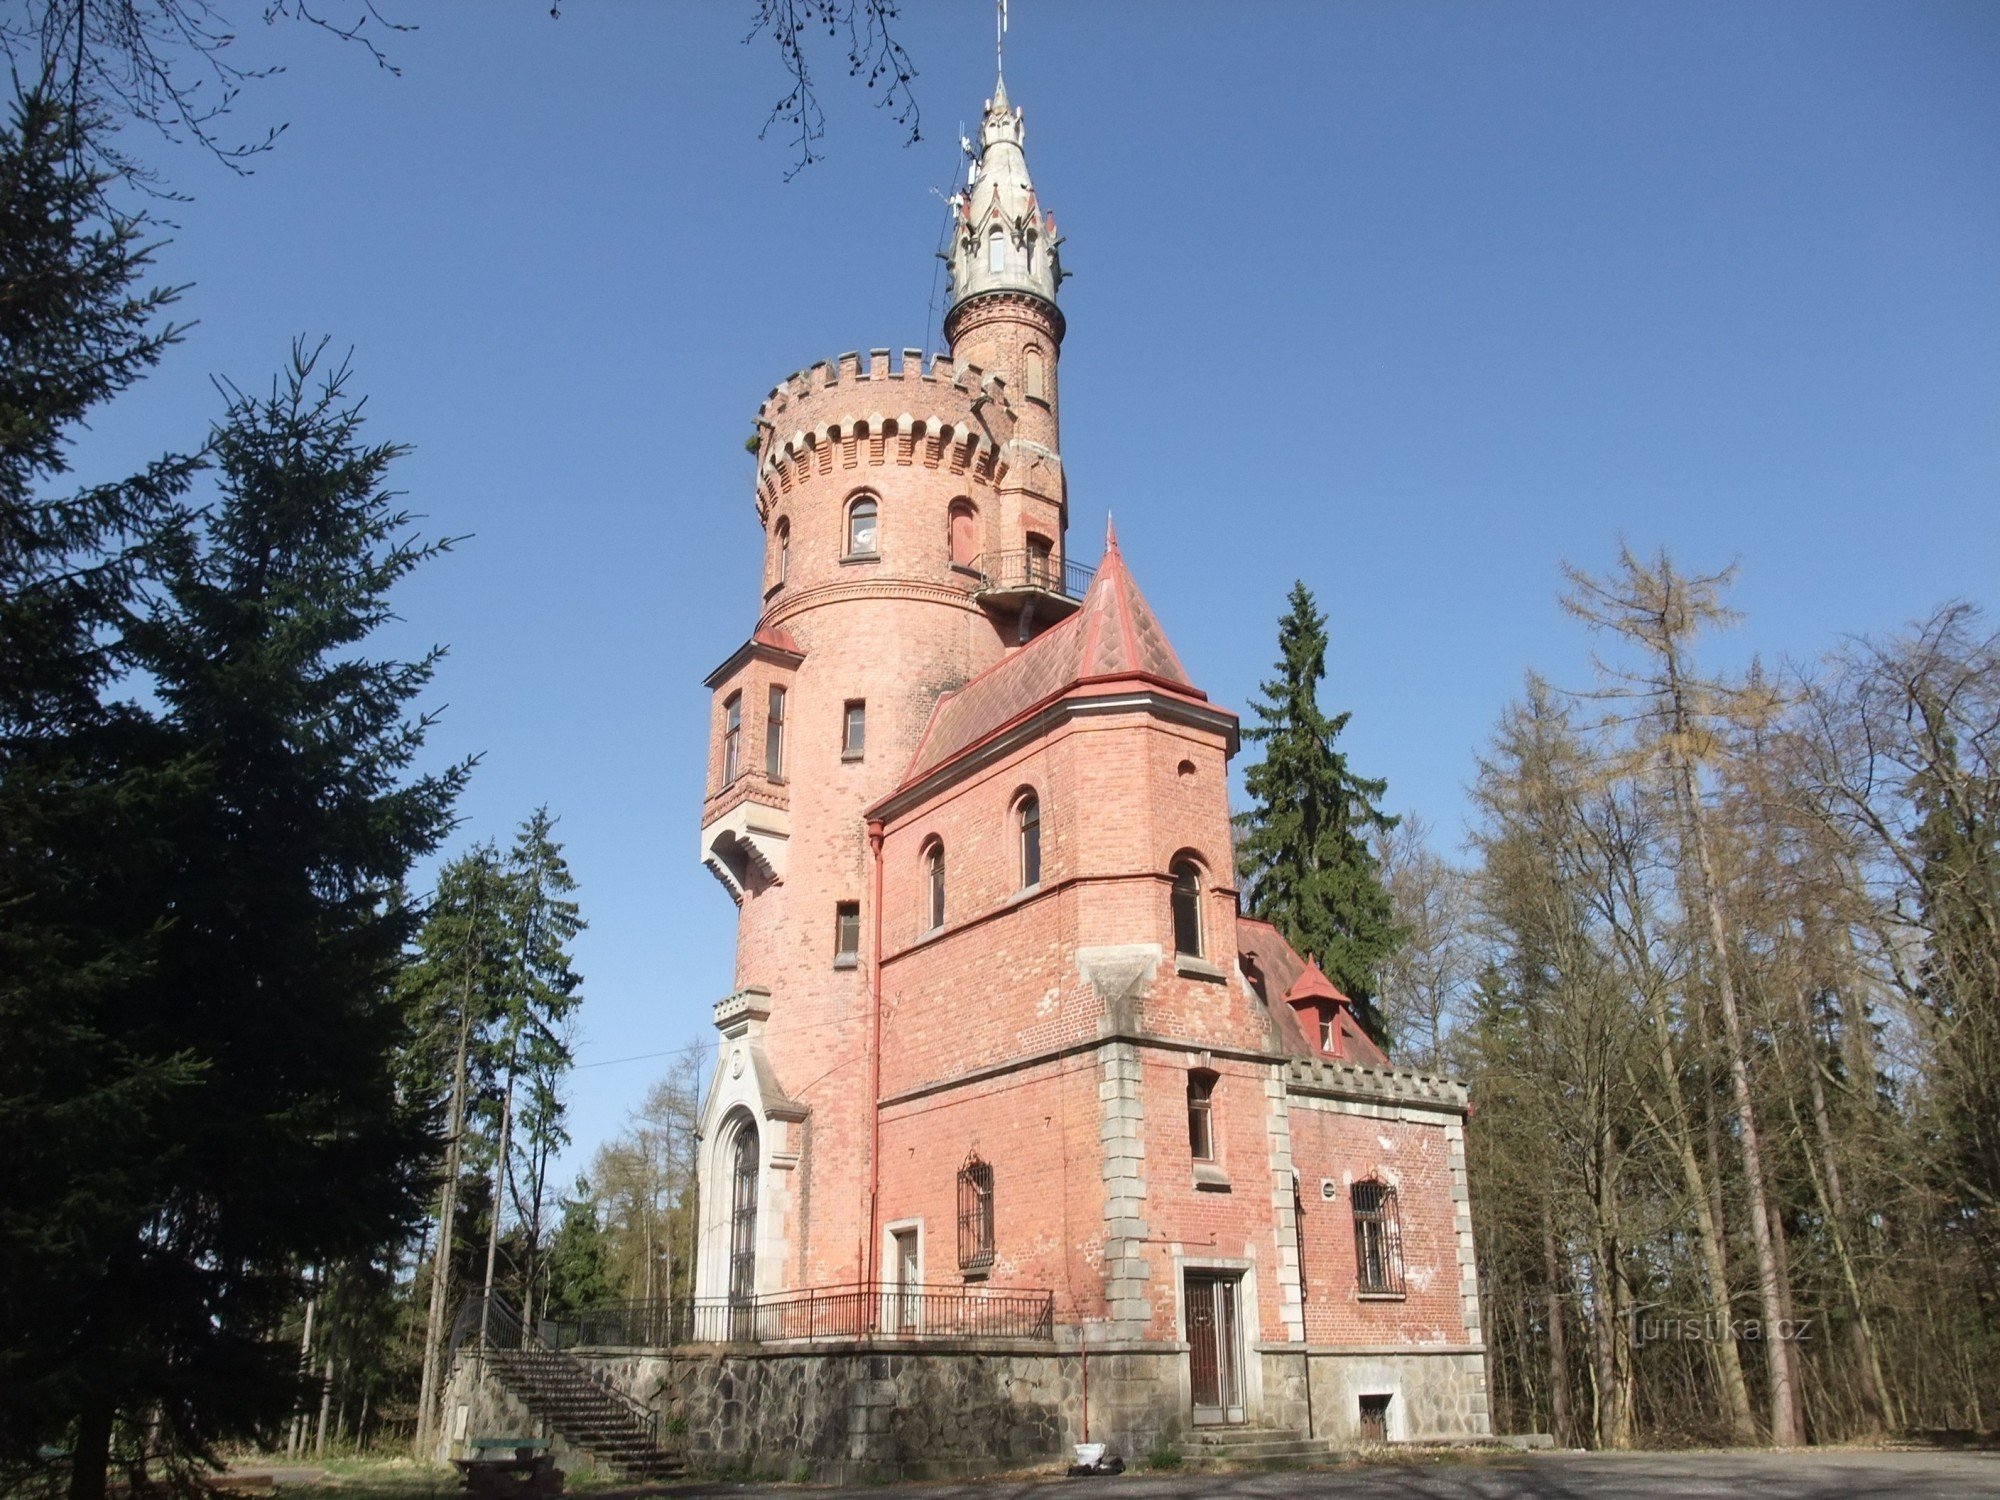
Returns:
(576, 1258)
(288, 1146)
(83, 777)
(1304, 846)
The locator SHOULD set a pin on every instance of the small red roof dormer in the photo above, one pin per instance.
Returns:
(1313, 991)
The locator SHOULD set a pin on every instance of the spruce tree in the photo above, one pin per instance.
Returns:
(83, 775)
(1304, 845)
(289, 1147)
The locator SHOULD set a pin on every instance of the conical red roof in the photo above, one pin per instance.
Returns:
(1312, 985)
(1115, 634)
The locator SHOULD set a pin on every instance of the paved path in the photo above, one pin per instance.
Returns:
(1839, 1475)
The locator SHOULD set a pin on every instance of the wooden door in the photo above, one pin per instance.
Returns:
(1215, 1366)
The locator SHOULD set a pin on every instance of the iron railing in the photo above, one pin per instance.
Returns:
(1011, 572)
(858, 1311)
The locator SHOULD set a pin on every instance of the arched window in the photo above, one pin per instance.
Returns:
(732, 737)
(1028, 818)
(964, 536)
(975, 1215)
(743, 1214)
(861, 527)
(1378, 1238)
(934, 885)
(1201, 1125)
(781, 546)
(774, 736)
(1187, 908)
(996, 250)
(1034, 383)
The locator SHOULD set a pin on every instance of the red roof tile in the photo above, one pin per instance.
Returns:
(1115, 634)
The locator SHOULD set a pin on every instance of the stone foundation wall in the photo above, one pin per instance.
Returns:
(858, 1413)
(477, 1405)
(1438, 1397)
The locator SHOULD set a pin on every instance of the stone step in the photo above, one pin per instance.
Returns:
(1236, 1437)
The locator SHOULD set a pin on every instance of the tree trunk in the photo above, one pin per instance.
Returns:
(90, 1455)
(447, 1220)
(499, 1190)
(1785, 1427)
(1559, 1415)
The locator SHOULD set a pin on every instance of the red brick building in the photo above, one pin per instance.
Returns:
(997, 1022)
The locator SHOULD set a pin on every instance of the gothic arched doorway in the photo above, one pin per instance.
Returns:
(743, 1217)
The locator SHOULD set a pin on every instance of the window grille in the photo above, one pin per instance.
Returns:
(975, 1215)
(1378, 1238)
(743, 1217)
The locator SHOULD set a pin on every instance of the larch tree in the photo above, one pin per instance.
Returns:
(1304, 846)
(1679, 715)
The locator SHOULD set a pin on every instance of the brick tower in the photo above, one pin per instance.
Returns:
(914, 520)
(999, 1036)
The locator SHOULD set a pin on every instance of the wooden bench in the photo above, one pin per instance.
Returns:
(527, 1472)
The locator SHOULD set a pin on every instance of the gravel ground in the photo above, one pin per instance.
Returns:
(1849, 1474)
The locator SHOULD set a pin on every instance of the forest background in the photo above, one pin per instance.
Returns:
(1704, 899)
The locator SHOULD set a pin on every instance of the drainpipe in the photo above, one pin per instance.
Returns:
(874, 1068)
(1305, 1346)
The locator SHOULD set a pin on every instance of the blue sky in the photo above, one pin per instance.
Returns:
(1409, 300)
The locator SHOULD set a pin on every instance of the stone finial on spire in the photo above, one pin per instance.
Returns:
(1110, 535)
(1003, 240)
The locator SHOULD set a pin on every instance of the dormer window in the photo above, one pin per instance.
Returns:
(996, 251)
(1328, 1026)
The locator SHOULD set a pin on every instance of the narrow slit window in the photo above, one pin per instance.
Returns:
(1036, 388)
(853, 730)
(934, 886)
(774, 736)
(782, 565)
(732, 738)
(1201, 1124)
(1187, 908)
(847, 933)
(1030, 819)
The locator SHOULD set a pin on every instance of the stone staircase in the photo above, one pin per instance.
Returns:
(606, 1424)
(1256, 1447)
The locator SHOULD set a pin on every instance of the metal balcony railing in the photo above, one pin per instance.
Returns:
(879, 1310)
(1023, 572)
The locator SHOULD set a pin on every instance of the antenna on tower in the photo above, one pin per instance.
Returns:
(1000, 36)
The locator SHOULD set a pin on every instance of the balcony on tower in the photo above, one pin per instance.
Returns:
(1034, 580)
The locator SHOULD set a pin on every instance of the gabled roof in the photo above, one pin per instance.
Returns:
(1115, 634)
(1312, 985)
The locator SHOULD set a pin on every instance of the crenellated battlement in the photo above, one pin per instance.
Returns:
(853, 388)
(912, 418)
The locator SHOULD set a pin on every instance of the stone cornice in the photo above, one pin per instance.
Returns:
(784, 609)
(1328, 1079)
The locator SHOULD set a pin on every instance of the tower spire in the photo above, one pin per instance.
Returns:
(1002, 240)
